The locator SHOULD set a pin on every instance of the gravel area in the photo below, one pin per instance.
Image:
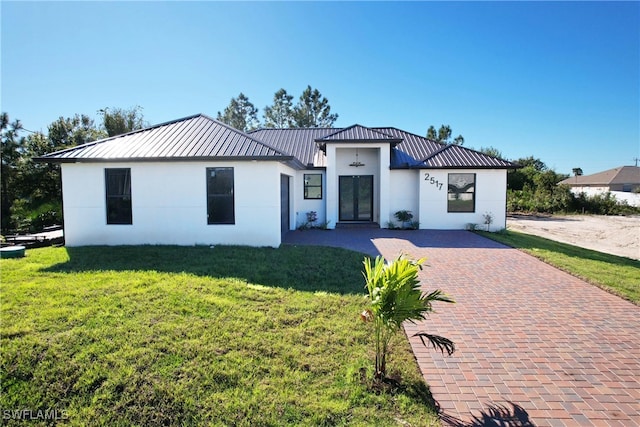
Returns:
(617, 235)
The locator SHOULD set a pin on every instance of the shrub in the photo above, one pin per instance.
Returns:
(405, 217)
(560, 199)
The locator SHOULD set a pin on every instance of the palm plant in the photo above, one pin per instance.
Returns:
(404, 217)
(395, 297)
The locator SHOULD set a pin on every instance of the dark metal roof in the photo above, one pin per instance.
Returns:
(357, 133)
(419, 152)
(191, 138)
(201, 137)
(299, 143)
(412, 149)
(455, 156)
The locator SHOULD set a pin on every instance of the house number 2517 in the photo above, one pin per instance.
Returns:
(431, 180)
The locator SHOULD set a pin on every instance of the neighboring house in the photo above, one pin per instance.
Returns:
(198, 181)
(622, 182)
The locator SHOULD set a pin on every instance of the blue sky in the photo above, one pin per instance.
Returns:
(556, 80)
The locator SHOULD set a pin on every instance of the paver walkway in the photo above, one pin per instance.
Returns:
(535, 346)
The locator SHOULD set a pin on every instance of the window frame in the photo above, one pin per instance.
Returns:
(306, 186)
(126, 198)
(472, 185)
(213, 199)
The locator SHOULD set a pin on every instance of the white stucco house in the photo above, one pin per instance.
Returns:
(198, 181)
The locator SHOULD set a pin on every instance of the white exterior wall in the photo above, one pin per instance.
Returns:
(632, 199)
(490, 197)
(169, 204)
(590, 191)
(302, 205)
(405, 187)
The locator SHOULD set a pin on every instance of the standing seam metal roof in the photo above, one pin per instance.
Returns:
(298, 142)
(201, 137)
(455, 156)
(358, 133)
(414, 146)
(196, 136)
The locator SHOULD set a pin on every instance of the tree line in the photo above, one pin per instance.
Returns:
(534, 188)
(311, 111)
(32, 191)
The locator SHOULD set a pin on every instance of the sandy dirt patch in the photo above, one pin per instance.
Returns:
(617, 235)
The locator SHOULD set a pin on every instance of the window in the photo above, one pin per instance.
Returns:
(461, 196)
(312, 186)
(118, 190)
(220, 204)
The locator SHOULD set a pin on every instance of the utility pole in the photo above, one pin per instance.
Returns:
(636, 160)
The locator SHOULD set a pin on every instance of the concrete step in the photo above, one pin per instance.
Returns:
(358, 225)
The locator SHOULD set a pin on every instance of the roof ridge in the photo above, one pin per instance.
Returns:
(277, 152)
(414, 134)
(245, 134)
(295, 128)
(438, 151)
(382, 133)
(450, 146)
(341, 130)
(110, 138)
(357, 125)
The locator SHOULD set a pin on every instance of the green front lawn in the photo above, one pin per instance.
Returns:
(198, 336)
(616, 274)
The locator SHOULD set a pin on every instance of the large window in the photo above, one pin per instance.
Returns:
(461, 196)
(118, 190)
(312, 186)
(220, 209)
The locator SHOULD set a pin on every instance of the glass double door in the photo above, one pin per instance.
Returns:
(356, 198)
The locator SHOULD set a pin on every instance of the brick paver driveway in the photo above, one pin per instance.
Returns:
(535, 346)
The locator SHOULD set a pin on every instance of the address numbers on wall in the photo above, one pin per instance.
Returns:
(431, 180)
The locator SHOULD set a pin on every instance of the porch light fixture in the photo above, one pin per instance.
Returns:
(357, 163)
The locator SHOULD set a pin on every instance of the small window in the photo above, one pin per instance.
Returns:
(461, 196)
(220, 203)
(312, 186)
(118, 190)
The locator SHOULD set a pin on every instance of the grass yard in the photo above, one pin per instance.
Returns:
(616, 274)
(157, 335)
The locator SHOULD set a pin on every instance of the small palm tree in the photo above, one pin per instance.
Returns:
(404, 217)
(395, 297)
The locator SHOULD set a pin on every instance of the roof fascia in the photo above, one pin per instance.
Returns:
(361, 141)
(170, 159)
(448, 146)
(326, 139)
(456, 167)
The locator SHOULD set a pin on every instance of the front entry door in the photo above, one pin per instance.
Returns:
(356, 198)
